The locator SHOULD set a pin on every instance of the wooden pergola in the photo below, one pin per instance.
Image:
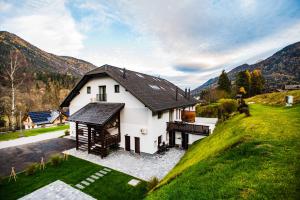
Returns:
(99, 137)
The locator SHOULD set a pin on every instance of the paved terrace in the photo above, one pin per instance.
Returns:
(140, 166)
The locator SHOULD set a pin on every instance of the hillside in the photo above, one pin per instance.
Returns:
(42, 80)
(245, 158)
(281, 68)
(39, 60)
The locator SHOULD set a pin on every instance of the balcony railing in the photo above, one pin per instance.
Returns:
(101, 97)
(188, 128)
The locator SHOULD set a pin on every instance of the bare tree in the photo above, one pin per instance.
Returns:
(11, 75)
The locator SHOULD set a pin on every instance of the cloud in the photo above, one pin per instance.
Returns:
(46, 24)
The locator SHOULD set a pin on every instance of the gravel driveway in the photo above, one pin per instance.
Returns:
(22, 155)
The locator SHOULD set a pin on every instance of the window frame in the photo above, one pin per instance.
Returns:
(117, 88)
(88, 90)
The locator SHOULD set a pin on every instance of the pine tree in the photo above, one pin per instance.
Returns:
(257, 82)
(243, 79)
(224, 82)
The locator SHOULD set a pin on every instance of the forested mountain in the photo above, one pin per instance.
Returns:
(281, 68)
(42, 79)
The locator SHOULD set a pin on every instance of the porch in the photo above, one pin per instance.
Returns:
(98, 127)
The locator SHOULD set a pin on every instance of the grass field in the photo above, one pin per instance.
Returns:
(275, 98)
(31, 132)
(111, 186)
(255, 157)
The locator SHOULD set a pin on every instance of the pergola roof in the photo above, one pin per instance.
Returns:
(96, 113)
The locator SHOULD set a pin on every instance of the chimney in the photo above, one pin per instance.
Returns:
(124, 73)
(176, 97)
(185, 93)
(189, 93)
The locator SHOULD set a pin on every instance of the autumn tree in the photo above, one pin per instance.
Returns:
(243, 79)
(12, 76)
(224, 82)
(257, 82)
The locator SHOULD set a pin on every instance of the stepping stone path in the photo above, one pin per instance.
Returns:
(92, 178)
(134, 182)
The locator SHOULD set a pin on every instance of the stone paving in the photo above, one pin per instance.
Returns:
(57, 190)
(140, 166)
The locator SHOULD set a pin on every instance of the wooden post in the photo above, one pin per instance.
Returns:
(42, 164)
(65, 156)
(77, 139)
(89, 139)
(12, 174)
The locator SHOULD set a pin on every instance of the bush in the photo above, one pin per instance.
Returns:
(31, 169)
(228, 105)
(207, 111)
(56, 159)
(67, 132)
(152, 183)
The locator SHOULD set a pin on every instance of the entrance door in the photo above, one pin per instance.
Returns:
(171, 138)
(127, 143)
(137, 144)
(185, 140)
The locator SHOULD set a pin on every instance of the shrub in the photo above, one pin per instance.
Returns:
(207, 111)
(67, 132)
(228, 105)
(56, 159)
(152, 183)
(31, 169)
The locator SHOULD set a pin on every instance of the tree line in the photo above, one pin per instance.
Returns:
(246, 83)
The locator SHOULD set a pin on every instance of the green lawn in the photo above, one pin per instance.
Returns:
(31, 132)
(255, 157)
(111, 186)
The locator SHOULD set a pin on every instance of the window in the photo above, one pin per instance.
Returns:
(159, 140)
(102, 93)
(88, 90)
(117, 89)
(159, 114)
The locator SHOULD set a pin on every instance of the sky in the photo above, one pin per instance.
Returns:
(187, 42)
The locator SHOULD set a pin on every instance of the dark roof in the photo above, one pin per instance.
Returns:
(156, 93)
(43, 117)
(96, 113)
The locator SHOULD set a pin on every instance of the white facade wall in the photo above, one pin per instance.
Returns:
(133, 117)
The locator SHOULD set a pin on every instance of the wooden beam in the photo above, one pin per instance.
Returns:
(89, 139)
(77, 138)
(119, 127)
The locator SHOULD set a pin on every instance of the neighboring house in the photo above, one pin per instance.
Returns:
(111, 106)
(43, 118)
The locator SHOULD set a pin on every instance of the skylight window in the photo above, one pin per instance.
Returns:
(155, 87)
(173, 89)
(140, 75)
(162, 88)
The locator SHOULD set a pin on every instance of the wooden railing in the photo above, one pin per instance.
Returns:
(188, 128)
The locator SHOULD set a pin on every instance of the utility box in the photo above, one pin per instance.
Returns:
(288, 100)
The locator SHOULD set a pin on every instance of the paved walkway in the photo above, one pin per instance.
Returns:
(21, 156)
(140, 166)
(57, 190)
(31, 139)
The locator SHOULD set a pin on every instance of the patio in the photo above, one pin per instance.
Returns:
(140, 166)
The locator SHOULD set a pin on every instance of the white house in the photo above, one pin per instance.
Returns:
(111, 107)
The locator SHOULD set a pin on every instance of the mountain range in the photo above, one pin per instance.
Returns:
(280, 69)
(38, 60)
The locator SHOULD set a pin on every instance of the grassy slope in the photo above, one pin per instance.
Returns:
(247, 157)
(31, 132)
(275, 98)
(111, 186)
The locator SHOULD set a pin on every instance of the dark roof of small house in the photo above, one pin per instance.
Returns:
(43, 117)
(156, 93)
(96, 113)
